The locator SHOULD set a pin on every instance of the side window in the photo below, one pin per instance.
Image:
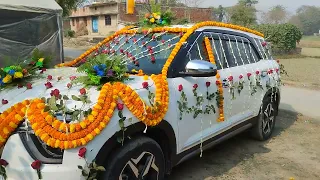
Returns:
(198, 50)
(254, 57)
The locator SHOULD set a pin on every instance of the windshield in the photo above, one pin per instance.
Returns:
(147, 52)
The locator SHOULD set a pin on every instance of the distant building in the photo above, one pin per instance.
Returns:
(106, 17)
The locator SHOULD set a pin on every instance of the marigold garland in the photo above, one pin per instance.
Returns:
(219, 84)
(58, 134)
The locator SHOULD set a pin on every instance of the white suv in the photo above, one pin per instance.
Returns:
(214, 80)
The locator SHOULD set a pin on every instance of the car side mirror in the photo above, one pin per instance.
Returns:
(200, 68)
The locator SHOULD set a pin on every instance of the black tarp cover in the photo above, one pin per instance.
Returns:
(29, 24)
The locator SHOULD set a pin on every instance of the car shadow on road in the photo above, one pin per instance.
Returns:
(218, 160)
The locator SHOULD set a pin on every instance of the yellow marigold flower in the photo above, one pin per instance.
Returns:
(83, 125)
(97, 131)
(89, 136)
(72, 128)
(91, 118)
(94, 113)
(7, 79)
(6, 131)
(18, 117)
(65, 143)
(102, 124)
(57, 143)
(13, 125)
(145, 77)
(34, 126)
(17, 75)
(41, 60)
(2, 139)
(38, 132)
(83, 141)
(152, 20)
(74, 142)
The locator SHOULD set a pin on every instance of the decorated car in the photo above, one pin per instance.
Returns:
(138, 103)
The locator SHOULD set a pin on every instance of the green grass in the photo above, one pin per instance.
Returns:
(310, 38)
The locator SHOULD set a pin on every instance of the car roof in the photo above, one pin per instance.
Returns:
(217, 28)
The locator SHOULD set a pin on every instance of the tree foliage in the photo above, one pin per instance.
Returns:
(69, 5)
(307, 19)
(276, 15)
(283, 37)
(244, 13)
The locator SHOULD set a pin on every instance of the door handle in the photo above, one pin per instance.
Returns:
(225, 83)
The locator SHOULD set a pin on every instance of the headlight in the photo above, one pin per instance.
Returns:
(37, 149)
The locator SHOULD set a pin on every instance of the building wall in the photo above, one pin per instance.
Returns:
(190, 13)
(102, 28)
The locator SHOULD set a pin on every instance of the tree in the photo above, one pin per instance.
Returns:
(248, 3)
(192, 3)
(69, 5)
(244, 13)
(276, 15)
(219, 13)
(308, 19)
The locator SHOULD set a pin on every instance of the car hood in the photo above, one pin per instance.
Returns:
(15, 95)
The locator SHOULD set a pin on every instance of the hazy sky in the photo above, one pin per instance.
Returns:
(264, 5)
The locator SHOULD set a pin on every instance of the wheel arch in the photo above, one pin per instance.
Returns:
(163, 134)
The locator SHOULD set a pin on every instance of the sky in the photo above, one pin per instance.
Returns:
(264, 5)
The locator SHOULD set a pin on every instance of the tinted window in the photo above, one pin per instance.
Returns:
(198, 50)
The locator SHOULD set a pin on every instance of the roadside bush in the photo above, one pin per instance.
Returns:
(69, 33)
(283, 37)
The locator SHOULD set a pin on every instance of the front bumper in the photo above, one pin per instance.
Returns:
(19, 160)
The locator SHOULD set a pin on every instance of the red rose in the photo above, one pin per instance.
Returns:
(195, 86)
(134, 39)
(257, 72)
(163, 41)
(82, 152)
(217, 83)
(73, 78)
(249, 74)
(230, 78)
(29, 86)
(24, 72)
(43, 70)
(83, 91)
(49, 77)
(270, 71)
(3, 162)
(241, 76)
(264, 44)
(149, 47)
(55, 93)
(277, 70)
(180, 87)
(36, 164)
(48, 85)
(136, 63)
(69, 85)
(120, 106)
(145, 85)
(153, 37)
(20, 86)
(4, 101)
(143, 43)
(83, 60)
(208, 84)
(121, 50)
(153, 59)
(133, 58)
(32, 63)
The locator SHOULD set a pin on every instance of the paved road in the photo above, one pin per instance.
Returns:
(72, 53)
(300, 100)
(293, 99)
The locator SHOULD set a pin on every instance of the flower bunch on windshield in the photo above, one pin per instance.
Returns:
(101, 69)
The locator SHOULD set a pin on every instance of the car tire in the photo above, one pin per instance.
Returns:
(140, 158)
(265, 120)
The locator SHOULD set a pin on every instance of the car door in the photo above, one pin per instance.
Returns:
(193, 125)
